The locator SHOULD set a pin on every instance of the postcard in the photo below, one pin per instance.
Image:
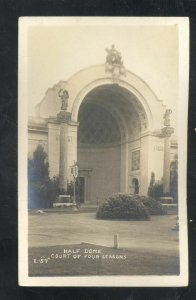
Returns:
(103, 109)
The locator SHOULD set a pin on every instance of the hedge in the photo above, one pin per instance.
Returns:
(122, 206)
(154, 206)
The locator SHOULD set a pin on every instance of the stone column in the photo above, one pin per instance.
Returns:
(71, 147)
(63, 118)
(167, 131)
(124, 168)
(53, 146)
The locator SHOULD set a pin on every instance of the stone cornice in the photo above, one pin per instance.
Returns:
(37, 129)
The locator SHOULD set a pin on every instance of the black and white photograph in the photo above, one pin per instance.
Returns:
(103, 106)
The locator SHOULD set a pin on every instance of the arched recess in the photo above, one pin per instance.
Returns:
(138, 97)
(110, 107)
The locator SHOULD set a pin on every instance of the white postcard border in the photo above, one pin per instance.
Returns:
(144, 281)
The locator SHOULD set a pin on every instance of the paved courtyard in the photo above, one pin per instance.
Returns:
(154, 236)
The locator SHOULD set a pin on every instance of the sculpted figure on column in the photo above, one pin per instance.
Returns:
(167, 117)
(63, 115)
(64, 95)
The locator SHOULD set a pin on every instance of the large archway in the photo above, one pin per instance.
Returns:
(128, 109)
(111, 121)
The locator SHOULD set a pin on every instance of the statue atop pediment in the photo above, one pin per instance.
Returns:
(114, 63)
(113, 57)
(167, 130)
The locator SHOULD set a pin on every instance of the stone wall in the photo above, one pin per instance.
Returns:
(104, 164)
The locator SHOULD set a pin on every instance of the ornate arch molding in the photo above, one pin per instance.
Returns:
(105, 81)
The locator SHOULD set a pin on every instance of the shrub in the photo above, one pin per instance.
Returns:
(51, 191)
(154, 206)
(122, 206)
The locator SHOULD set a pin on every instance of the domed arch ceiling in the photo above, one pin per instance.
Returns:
(109, 114)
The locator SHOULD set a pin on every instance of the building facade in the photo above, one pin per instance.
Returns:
(112, 124)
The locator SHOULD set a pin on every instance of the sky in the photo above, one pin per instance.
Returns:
(57, 52)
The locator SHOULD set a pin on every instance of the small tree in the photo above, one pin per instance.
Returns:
(152, 181)
(42, 190)
(155, 189)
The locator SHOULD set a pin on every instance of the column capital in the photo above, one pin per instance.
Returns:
(167, 131)
(64, 116)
